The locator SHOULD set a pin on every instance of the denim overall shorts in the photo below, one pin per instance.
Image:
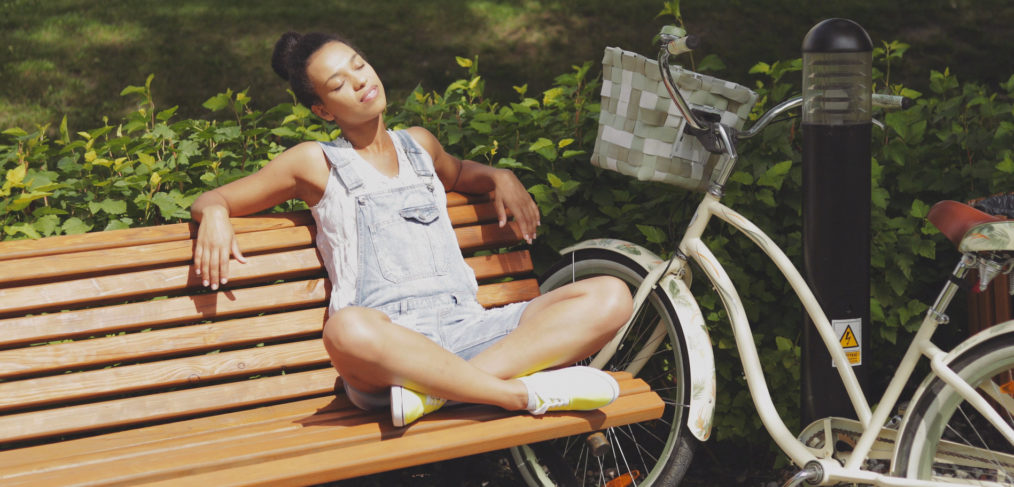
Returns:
(411, 268)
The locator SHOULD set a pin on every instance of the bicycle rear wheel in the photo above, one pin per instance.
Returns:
(945, 438)
(649, 453)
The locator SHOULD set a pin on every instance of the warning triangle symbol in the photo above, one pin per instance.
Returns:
(848, 339)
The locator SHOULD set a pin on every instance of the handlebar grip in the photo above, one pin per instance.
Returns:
(683, 44)
(891, 101)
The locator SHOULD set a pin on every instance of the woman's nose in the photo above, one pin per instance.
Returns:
(359, 79)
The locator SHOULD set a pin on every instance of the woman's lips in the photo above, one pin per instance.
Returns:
(370, 94)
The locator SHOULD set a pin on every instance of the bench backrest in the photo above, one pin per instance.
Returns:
(109, 330)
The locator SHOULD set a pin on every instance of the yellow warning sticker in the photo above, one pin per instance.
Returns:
(850, 336)
(848, 339)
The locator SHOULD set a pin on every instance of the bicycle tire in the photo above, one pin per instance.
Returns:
(941, 426)
(655, 453)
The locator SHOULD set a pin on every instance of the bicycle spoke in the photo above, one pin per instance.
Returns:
(622, 456)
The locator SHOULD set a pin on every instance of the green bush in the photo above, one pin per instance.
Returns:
(956, 143)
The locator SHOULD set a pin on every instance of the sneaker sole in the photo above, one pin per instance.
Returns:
(397, 405)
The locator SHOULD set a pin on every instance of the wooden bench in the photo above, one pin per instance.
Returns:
(117, 367)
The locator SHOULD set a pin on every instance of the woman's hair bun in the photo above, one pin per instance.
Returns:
(283, 50)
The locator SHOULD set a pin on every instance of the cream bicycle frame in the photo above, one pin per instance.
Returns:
(692, 247)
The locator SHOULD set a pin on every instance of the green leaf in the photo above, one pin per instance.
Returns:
(880, 197)
(284, 132)
(711, 62)
(919, 209)
(132, 89)
(217, 102)
(481, 127)
(15, 131)
(108, 205)
(64, 133)
(760, 68)
(47, 224)
(167, 113)
(22, 228)
(75, 225)
(775, 175)
(1006, 165)
(544, 147)
(509, 163)
(169, 206)
(652, 233)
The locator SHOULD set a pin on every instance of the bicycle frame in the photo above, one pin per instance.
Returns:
(819, 465)
(692, 247)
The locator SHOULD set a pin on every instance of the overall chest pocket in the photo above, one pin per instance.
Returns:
(408, 245)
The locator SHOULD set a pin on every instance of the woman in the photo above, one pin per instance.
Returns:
(404, 329)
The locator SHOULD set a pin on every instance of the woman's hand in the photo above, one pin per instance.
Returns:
(510, 195)
(216, 241)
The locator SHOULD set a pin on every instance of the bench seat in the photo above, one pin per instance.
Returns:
(117, 367)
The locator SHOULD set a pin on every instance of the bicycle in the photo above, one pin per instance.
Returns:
(667, 344)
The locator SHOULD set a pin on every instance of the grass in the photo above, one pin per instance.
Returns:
(73, 57)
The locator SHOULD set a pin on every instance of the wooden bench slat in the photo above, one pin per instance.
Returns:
(477, 237)
(166, 405)
(182, 340)
(152, 282)
(235, 425)
(164, 374)
(140, 256)
(493, 295)
(501, 265)
(472, 214)
(459, 199)
(383, 448)
(463, 210)
(495, 434)
(289, 437)
(63, 244)
(135, 316)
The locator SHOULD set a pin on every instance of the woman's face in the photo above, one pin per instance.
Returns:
(349, 89)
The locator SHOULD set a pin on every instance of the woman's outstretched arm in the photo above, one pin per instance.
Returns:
(472, 177)
(290, 175)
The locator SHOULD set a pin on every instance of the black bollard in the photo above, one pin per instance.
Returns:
(837, 96)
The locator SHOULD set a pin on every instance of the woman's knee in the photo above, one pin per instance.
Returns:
(612, 297)
(616, 293)
(354, 331)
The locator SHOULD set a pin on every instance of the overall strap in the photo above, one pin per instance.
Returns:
(415, 155)
(342, 167)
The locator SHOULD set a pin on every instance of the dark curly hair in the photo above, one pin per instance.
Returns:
(291, 55)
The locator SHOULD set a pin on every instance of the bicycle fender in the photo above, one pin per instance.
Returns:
(701, 359)
(962, 348)
(980, 337)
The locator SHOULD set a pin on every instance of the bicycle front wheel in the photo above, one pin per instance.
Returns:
(653, 453)
(945, 438)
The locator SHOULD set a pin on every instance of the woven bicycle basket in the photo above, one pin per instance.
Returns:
(641, 132)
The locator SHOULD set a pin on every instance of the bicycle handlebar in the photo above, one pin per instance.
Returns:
(674, 42)
(678, 45)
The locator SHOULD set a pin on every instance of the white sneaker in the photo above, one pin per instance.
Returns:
(577, 388)
(408, 405)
